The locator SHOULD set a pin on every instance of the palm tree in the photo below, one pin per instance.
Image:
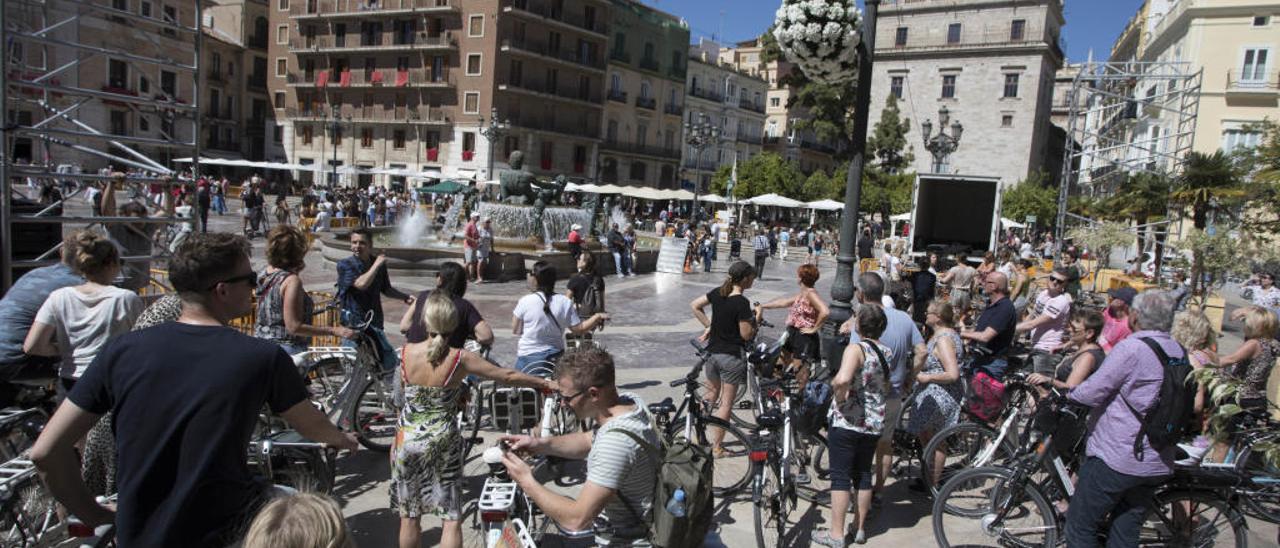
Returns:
(1145, 198)
(1209, 184)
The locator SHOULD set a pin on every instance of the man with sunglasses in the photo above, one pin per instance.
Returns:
(620, 471)
(1048, 323)
(185, 397)
(996, 327)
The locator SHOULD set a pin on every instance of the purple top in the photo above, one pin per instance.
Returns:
(1134, 371)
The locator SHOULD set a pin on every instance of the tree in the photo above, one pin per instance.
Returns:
(1261, 164)
(830, 109)
(762, 174)
(1100, 239)
(888, 141)
(821, 187)
(1144, 198)
(1209, 184)
(886, 193)
(1031, 196)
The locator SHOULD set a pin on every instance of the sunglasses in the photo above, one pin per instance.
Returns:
(1057, 280)
(251, 277)
(568, 400)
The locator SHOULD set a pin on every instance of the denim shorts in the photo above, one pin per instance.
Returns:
(729, 368)
(539, 360)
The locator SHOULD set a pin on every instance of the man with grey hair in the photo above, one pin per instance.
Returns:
(996, 327)
(1122, 468)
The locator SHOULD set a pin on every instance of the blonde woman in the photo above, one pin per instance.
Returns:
(76, 322)
(1192, 330)
(426, 456)
(302, 520)
(1252, 362)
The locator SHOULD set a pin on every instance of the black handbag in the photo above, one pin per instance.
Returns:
(854, 408)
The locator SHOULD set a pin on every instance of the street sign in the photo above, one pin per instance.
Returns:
(1031, 218)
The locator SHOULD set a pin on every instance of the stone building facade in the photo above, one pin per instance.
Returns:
(733, 101)
(991, 63)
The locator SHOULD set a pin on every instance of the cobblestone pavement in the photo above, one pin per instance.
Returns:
(651, 324)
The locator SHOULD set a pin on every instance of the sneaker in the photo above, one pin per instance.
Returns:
(620, 276)
(860, 538)
(824, 538)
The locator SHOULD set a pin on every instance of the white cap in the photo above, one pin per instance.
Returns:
(576, 227)
(475, 214)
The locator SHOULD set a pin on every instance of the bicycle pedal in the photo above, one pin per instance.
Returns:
(746, 404)
(802, 479)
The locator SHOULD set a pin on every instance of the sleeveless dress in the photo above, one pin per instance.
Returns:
(938, 405)
(426, 455)
(270, 320)
(1254, 373)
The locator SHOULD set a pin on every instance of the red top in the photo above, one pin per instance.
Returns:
(574, 237)
(472, 235)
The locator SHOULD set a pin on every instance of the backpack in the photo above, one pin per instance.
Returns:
(592, 300)
(1170, 417)
(681, 464)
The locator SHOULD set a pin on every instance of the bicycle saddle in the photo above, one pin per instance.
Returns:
(664, 407)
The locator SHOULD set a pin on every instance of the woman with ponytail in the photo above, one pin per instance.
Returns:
(426, 455)
(541, 318)
(728, 330)
(76, 322)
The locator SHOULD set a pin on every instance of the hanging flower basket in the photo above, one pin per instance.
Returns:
(821, 37)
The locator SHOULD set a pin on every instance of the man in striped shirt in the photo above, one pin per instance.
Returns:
(620, 472)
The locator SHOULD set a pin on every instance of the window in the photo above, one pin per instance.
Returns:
(277, 133)
(473, 64)
(638, 171)
(117, 74)
(1010, 86)
(306, 135)
(611, 131)
(337, 136)
(471, 102)
(953, 33)
(169, 83)
(282, 34)
(516, 76)
(1018, 30)
(1238, 138)
(642, 134)
(144, 8)
(339, 35)
(579, 159)
(1261, 21)
(144, 85)
(397, 139)
(775, 102)
(366, 137)
(475, 26)
(282, 5)
(615, 83)
(895, 86)
(948, 86)
(119, 122)
(282, 66)
(645, 89)
(548, 154)
(170, 15)
(433, 139)
(900, 38)
(1006, 120)
(143, 124)
(1254, 68)
(584, 87)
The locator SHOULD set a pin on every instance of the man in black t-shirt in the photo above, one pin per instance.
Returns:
(865, 244)
(185, 396)
(996, 326)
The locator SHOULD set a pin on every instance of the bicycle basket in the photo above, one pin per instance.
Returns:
(1068, 421)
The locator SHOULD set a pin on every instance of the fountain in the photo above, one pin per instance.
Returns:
(521, 222)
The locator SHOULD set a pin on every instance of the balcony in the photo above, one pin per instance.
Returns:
(642, 150)
(673, 109)
(618, 95)
(1253, 83)
(647, 103)
(677, 72)
(312, 9)
(748, 139)
(543, 90)
(991, 35)
(750, 105)
(420, 114)
(223, 144)
(705, 165)
(649, 64)
(541, 11)
(419, 77)
(215, 76)
(620, 56)
(257, 81)
(548, 120)
(356, 43)
(710, 95)
(563, 55)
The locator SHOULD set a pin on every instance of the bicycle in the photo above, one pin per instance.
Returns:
(285, 457)
(1260, 479)
(365, 403)
(787, 452)
(690, 421)
(1016, 504)
(28, 515)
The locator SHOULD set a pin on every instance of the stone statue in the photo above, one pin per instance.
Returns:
(516, 182)
(591, 202)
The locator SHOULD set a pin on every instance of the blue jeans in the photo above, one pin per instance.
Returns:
(389, 358)
(708, 255)
(852, 456)
(626, 263)
(537, 359)
(994, 366)
(1102, 491)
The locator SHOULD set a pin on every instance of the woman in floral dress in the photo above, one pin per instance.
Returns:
(938, 405)
(426, 461)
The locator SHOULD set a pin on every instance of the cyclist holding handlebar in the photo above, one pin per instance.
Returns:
(728, 330)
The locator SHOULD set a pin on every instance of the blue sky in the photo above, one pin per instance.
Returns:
(1090, 23)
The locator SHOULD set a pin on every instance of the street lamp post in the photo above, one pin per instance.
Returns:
(941, 145)
(492, 132)
(842, 286)
(334, 127)
(700, 136)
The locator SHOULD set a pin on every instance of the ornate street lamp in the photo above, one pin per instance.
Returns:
(492, 132)
(941, 145)
(699, 135)
(832, 42)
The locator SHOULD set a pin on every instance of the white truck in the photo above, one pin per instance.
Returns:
(955, 214)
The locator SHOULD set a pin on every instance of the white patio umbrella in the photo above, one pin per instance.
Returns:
(825, 205)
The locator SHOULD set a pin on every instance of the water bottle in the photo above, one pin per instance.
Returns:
(675, 506)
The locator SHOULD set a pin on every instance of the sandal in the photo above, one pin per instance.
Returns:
(824, 538)
(719, 453)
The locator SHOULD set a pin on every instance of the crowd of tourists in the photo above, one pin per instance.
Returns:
(152, 415)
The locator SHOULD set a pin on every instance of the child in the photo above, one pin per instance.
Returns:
(301, 520)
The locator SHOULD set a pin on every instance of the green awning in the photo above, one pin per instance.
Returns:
(444, 187)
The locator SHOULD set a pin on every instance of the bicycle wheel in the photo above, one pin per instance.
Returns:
(810, 458)
(967, 512)
(962, 445)
(1192, 519)
(733, 470)
(768, 507)
(375, 416)
(1262, 494)
(29, 517)
(324, 382)
(471, 416)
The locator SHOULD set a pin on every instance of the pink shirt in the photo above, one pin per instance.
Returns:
(471, 235)
(1114, 330)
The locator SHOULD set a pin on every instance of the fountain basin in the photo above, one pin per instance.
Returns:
(511, 258)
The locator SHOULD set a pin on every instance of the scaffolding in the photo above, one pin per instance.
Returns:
(49, 49)
(1124, 119)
